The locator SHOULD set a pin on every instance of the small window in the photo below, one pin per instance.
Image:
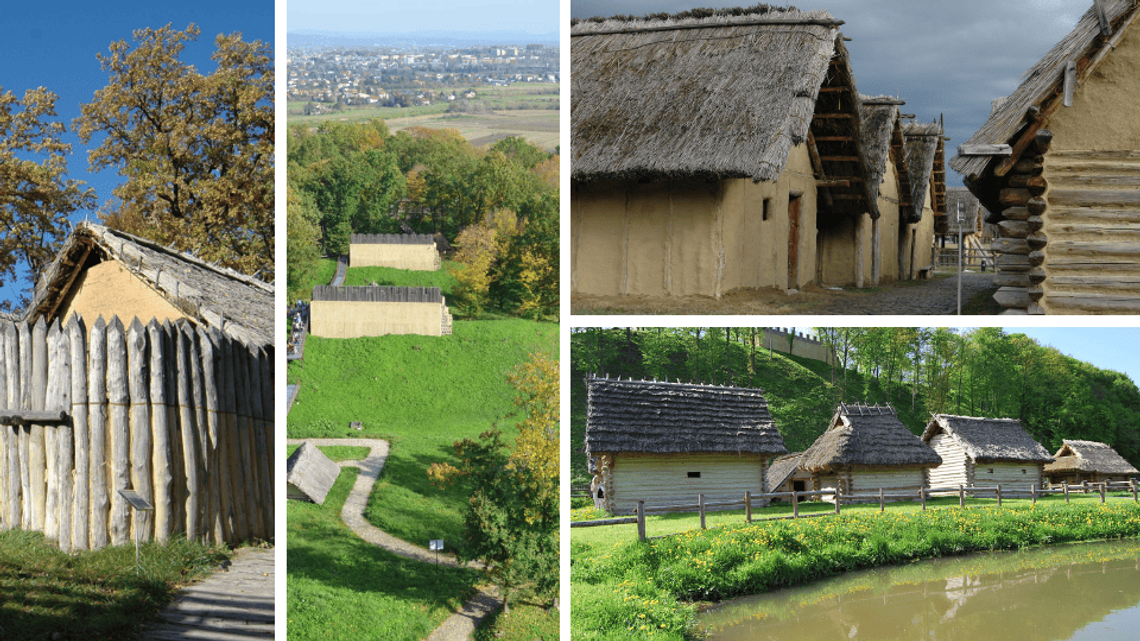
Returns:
(990, 470)
(694, 475)
(1023, 470)
(767, 208)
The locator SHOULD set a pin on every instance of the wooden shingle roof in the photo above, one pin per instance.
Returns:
(213, 296)
(989, 440)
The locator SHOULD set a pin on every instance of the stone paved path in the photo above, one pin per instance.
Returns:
(930, 297)
(458, 626)
(235, 603)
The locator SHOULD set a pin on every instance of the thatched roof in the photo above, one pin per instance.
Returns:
(725, 95)
(867, 436)
(670, 418)
(214, 296)
(1089, 456)
(989, 440)
(882, 140)
(924, 150)
(1041, 87)
(781, 469)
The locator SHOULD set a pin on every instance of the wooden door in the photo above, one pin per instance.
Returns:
(793, 239)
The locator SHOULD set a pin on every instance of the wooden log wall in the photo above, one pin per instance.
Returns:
(1021, 243)
(180, 414)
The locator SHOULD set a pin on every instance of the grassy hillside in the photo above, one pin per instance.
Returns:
(799, 391)
(390, 276)
(422, 394)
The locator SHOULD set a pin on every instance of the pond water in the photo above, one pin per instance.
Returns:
(1081, 591)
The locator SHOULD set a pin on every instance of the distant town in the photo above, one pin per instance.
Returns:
(326, 78)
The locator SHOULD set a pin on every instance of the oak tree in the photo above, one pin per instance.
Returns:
(195, 150)
(36, 196)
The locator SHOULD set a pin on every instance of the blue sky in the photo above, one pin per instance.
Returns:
(46, 44)
(356, 16)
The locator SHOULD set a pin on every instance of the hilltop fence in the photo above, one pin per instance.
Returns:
(180, 414)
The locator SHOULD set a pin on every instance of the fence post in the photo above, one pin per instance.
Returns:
(1033, 493)
(795, 505)
(80, 507)
(922, 497)
(961, 496)
(748, 507)
(701, 504)
(1065, 485)
(881, 499)
(1132, 482)
(997, 490)
(97, 414)
(641, 521)
(1102, 483)
(838, 499)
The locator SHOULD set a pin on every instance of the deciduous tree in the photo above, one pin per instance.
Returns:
(195, 150)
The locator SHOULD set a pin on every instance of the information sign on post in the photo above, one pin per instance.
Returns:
(436, 545)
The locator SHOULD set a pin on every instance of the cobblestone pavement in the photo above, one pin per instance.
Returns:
(235, 603)
(458, 626)
(930, 297)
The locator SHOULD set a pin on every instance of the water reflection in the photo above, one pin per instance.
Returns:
(1071, 591)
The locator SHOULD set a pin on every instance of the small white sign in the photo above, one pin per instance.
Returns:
(436, 545)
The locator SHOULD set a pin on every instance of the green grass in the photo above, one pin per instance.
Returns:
(340, 587)
(326, 269)
(625, 588)
(390, 276)
(422, 394)
(526, 622)
(93, 594)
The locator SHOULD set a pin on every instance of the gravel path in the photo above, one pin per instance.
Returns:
(235, 603)
(458, 626)
(938, 296)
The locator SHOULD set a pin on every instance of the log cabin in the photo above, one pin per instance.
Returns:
(712, 150)
(1092, 461)
(1057, 167)
(984, 452)
(665, 443)
(867, 448)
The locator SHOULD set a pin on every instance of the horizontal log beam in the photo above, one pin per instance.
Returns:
(1089, 198)
(25, 417)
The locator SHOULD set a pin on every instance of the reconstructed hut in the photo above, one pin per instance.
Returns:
(137, 367)
(984, 452)
(866, 448)
(1056, 165)
(374, 310)
(1092, 461)
(665, 443)
(710, 150)
(786, 475)
(402, 251)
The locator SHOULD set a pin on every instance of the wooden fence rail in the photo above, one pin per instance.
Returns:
(880, 495)
(181, 415)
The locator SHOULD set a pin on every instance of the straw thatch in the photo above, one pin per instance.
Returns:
(1042, 84)
(988, 440)
(725, 95)
(867, 436)
(923, 149)
(782, 469)
(214, 296)
(882, 140)
(668, 418)
(1089, 457)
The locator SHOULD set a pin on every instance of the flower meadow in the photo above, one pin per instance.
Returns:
(650, 589)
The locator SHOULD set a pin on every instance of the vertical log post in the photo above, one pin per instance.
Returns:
(267, 426)
(241, 411)
(206, 479)
(748, 507)
(190, 445)
(641, 521)
(262, 455)
(173, 429)
(118, 397)
(227, 404)
(217, 525)
(1132, 482)
(80, 505)
(701, 506)
(37, 456)
(838, 499)
(1065, 486)
(25, 431)
(795, 505)
(961, 496)
(97, 423)
(6, 480)
(160, 434)
(922, 497)
(881, 506)
(15, 507)
(1033, 493)
(138, 379)
(1102, 493)
(59, 397)
(997, 491)
(52, 461)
